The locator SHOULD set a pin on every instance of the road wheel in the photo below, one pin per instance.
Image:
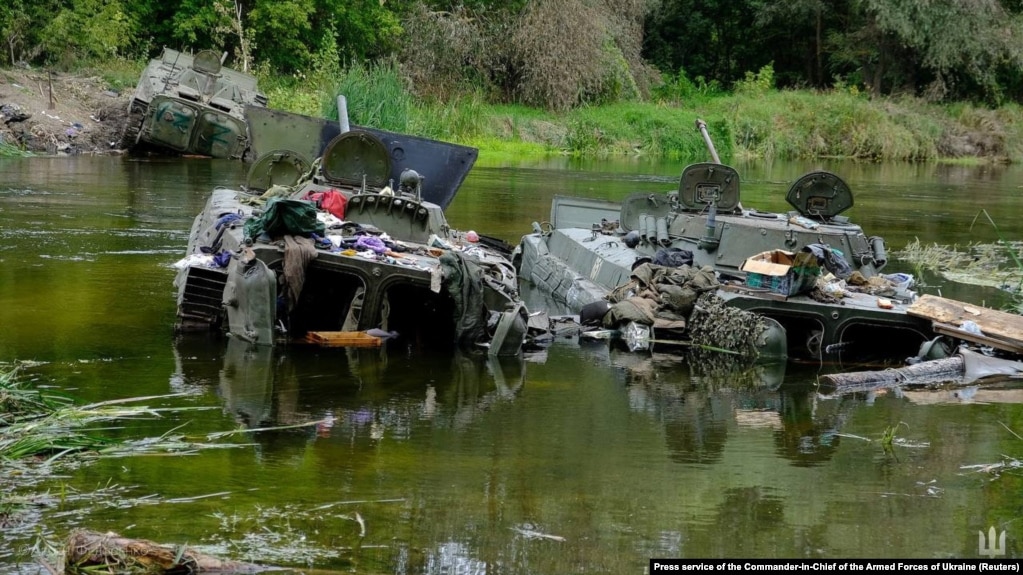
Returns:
(132, 126)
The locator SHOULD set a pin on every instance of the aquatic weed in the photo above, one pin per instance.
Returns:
(888, 436)
(975, 264)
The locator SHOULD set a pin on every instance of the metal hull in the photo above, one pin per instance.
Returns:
(443, 165)
(574, 263)
(191, 105)
(320, 255)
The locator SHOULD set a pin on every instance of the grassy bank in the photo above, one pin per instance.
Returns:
(754, 121)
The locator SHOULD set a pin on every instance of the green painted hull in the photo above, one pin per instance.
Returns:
(576, 261)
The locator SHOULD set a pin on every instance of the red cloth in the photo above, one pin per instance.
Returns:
(332, 200)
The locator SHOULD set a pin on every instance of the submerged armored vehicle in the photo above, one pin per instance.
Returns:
(191, 105)
(769, 263)
(335, 252)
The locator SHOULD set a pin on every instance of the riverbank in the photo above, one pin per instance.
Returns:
(50, 113)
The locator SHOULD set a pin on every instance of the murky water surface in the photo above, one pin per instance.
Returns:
(583, 460)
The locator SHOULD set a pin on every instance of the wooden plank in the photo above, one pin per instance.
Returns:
(342, 339)
(993, 323)
(997, 343)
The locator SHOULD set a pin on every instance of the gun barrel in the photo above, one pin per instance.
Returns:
(702, 126)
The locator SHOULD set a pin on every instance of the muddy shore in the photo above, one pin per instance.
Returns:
(51, 113)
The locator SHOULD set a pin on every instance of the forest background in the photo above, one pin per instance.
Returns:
(870, 79)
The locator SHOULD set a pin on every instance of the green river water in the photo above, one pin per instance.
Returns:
(584, 459)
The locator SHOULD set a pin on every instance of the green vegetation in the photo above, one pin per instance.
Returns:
(12, 151)
(888, 436)
(920, 81)
(48, 425)
(756, 121)
(558, 54)
(44, 431)
(998, 265)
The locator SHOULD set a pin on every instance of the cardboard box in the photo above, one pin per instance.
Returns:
(782, 272)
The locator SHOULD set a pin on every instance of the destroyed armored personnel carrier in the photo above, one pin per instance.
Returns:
(773, 264)
(335, 252)
(191, 105)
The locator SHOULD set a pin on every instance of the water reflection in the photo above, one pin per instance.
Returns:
(627, 456)
(177, 188)
(699, 399)
(365, 392)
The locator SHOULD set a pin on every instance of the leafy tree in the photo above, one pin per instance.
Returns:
(956, 41)
(283, 32)
(156, 25)
(14, 25)
(444, 51)
(938, 48)
(568, 52)
(796, 31)
(713, 39)
(198, 25)
(554, 45)
(366, 29)
(507, 6)
(88, 29)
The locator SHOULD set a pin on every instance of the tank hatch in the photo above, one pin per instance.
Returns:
(355, 155)
(276, 168)
(707, 183)
(207, 61)
(820, 195)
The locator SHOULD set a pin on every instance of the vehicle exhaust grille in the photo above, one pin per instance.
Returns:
(201, 304)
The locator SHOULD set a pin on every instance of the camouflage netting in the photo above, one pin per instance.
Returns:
(714, 324)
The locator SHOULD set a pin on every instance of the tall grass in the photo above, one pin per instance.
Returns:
(18, 401)
(376, 97)
(754, 121)
(464, 118)
(635, 129)
(119, 73)
(12, 151)
(801, 124)
(46, 424)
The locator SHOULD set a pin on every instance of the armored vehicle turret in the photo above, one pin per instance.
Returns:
(191, 105)
(812, 270)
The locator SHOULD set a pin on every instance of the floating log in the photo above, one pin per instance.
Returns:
(966, 366)
(88, 551)
(934, 371)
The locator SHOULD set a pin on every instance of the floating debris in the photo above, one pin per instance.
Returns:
(983, 264)
(91, 552)
(533, 534)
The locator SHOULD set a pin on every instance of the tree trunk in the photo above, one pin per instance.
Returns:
(924, 372)
(820, 67)
(110, 551)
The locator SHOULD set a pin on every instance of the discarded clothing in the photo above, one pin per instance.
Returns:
(285, 217)
(673, 257)
(371, 243)
(463, 279)
(830, 260)
(298, 252)
(331, 201)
